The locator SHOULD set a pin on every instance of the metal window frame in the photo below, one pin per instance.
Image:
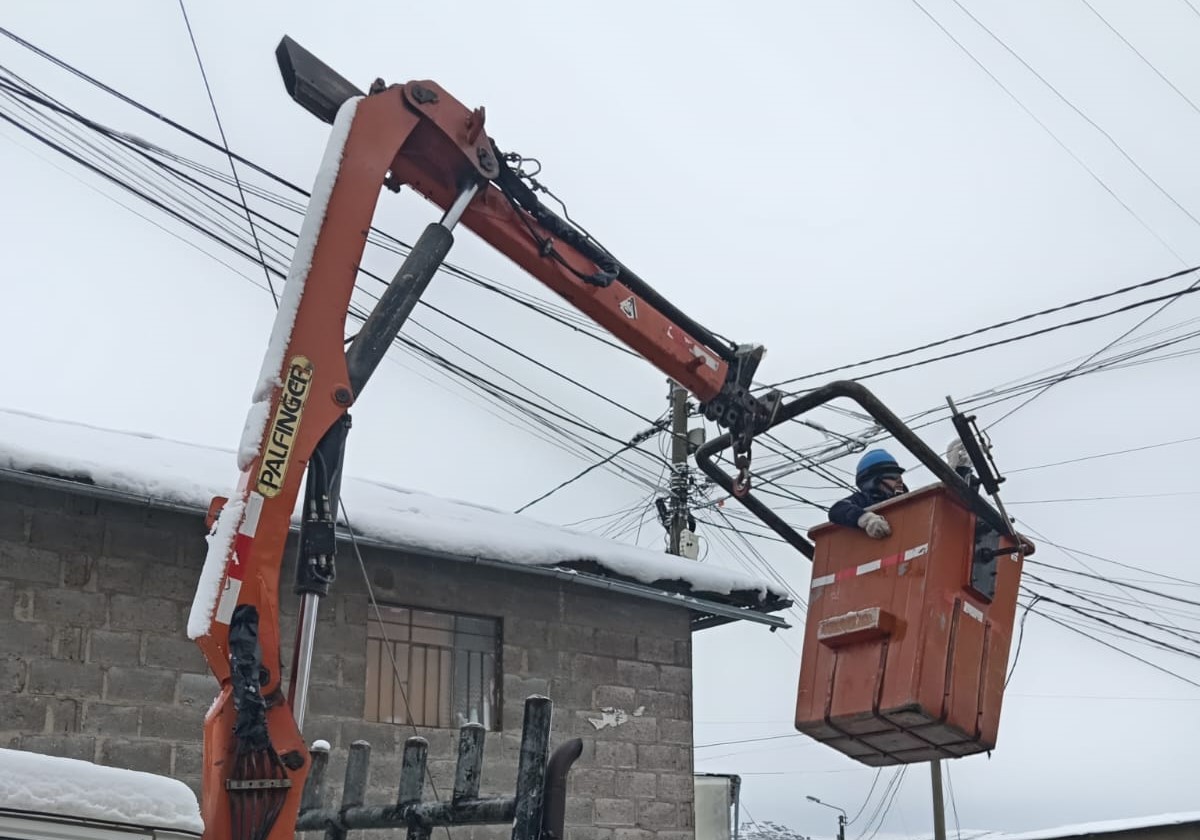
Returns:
(494, 724)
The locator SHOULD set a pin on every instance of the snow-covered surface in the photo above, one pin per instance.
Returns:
(1099, 828)
(293, 289)
(168, 471)
(204, 603)
(71, 788)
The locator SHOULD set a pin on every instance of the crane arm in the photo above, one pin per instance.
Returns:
(414, 135)
(448, 150)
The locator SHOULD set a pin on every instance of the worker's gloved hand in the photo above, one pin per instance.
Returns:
(875, 525)
(957, 457)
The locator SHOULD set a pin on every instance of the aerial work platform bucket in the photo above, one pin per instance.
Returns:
(907, 639)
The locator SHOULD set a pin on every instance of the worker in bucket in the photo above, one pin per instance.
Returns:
(879, 477)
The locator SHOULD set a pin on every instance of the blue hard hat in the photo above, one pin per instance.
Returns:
(873, 464)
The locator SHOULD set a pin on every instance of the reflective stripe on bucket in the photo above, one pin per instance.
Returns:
(872, 566)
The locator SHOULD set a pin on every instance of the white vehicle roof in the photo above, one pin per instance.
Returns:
(71, 791)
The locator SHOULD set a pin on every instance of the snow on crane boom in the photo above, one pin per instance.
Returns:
(414, 134)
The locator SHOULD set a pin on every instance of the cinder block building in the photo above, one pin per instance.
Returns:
(456, 614)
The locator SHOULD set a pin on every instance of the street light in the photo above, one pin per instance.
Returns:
(841, 816)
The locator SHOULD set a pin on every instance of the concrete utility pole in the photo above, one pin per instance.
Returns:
(939, 806)
(679, 464)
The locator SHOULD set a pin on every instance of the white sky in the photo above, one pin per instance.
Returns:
(833, 180)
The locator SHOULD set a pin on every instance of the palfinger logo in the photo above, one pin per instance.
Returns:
(277, 453)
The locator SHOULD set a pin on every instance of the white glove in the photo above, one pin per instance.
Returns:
(956, 455)
(875, 525)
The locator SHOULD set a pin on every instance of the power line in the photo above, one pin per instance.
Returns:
(1079, 111)
(362, 565)
(1127, 589)
(1012, 669)
(1139, 54)
(987, 399)
(634, 441)
(542, 307)
(1113, 611)
(953, 804)
(1008, 323)
(1194, 287)
(533, 361)
(747, 740)
(1073, 551)
(1113, 582)
(884, 805)
(875, 781)
(1120, 650)
(1048, 131)
(176, 213)
(765, 564)
(225, 144)
(1171, 297)
(1105, 498)
(1104, 455)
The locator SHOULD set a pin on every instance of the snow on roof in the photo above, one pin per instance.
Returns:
(1088, 829)
(179, 473)
(68, 787)
(1100, 829)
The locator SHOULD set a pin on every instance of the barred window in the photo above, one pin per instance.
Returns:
(432, 668)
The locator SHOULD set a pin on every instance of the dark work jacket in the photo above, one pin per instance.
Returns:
(848, 510)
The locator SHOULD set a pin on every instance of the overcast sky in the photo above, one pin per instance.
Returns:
(834, 180)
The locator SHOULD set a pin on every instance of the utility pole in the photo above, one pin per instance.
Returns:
(679, 465)
(939, 806)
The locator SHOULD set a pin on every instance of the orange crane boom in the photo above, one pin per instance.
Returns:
(415, 135)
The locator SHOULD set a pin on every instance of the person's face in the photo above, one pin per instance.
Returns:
(892, 485)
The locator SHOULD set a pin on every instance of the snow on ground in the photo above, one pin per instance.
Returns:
(165, 470)
(72, 788)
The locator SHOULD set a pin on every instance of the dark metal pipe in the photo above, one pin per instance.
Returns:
(531, 768)
(491, 811)
(397, 302)
(354, 789)
(412, 771)
(882, 415)
(554, 814)
(313, 796)
(470, 762)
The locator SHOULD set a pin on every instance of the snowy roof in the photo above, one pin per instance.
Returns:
(170, 472)
(67, 787)
(1088, 829)
(1099, 829)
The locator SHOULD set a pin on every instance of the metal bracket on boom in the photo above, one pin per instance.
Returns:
(886, 419)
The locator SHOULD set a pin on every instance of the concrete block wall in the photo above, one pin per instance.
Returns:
(95, 663)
